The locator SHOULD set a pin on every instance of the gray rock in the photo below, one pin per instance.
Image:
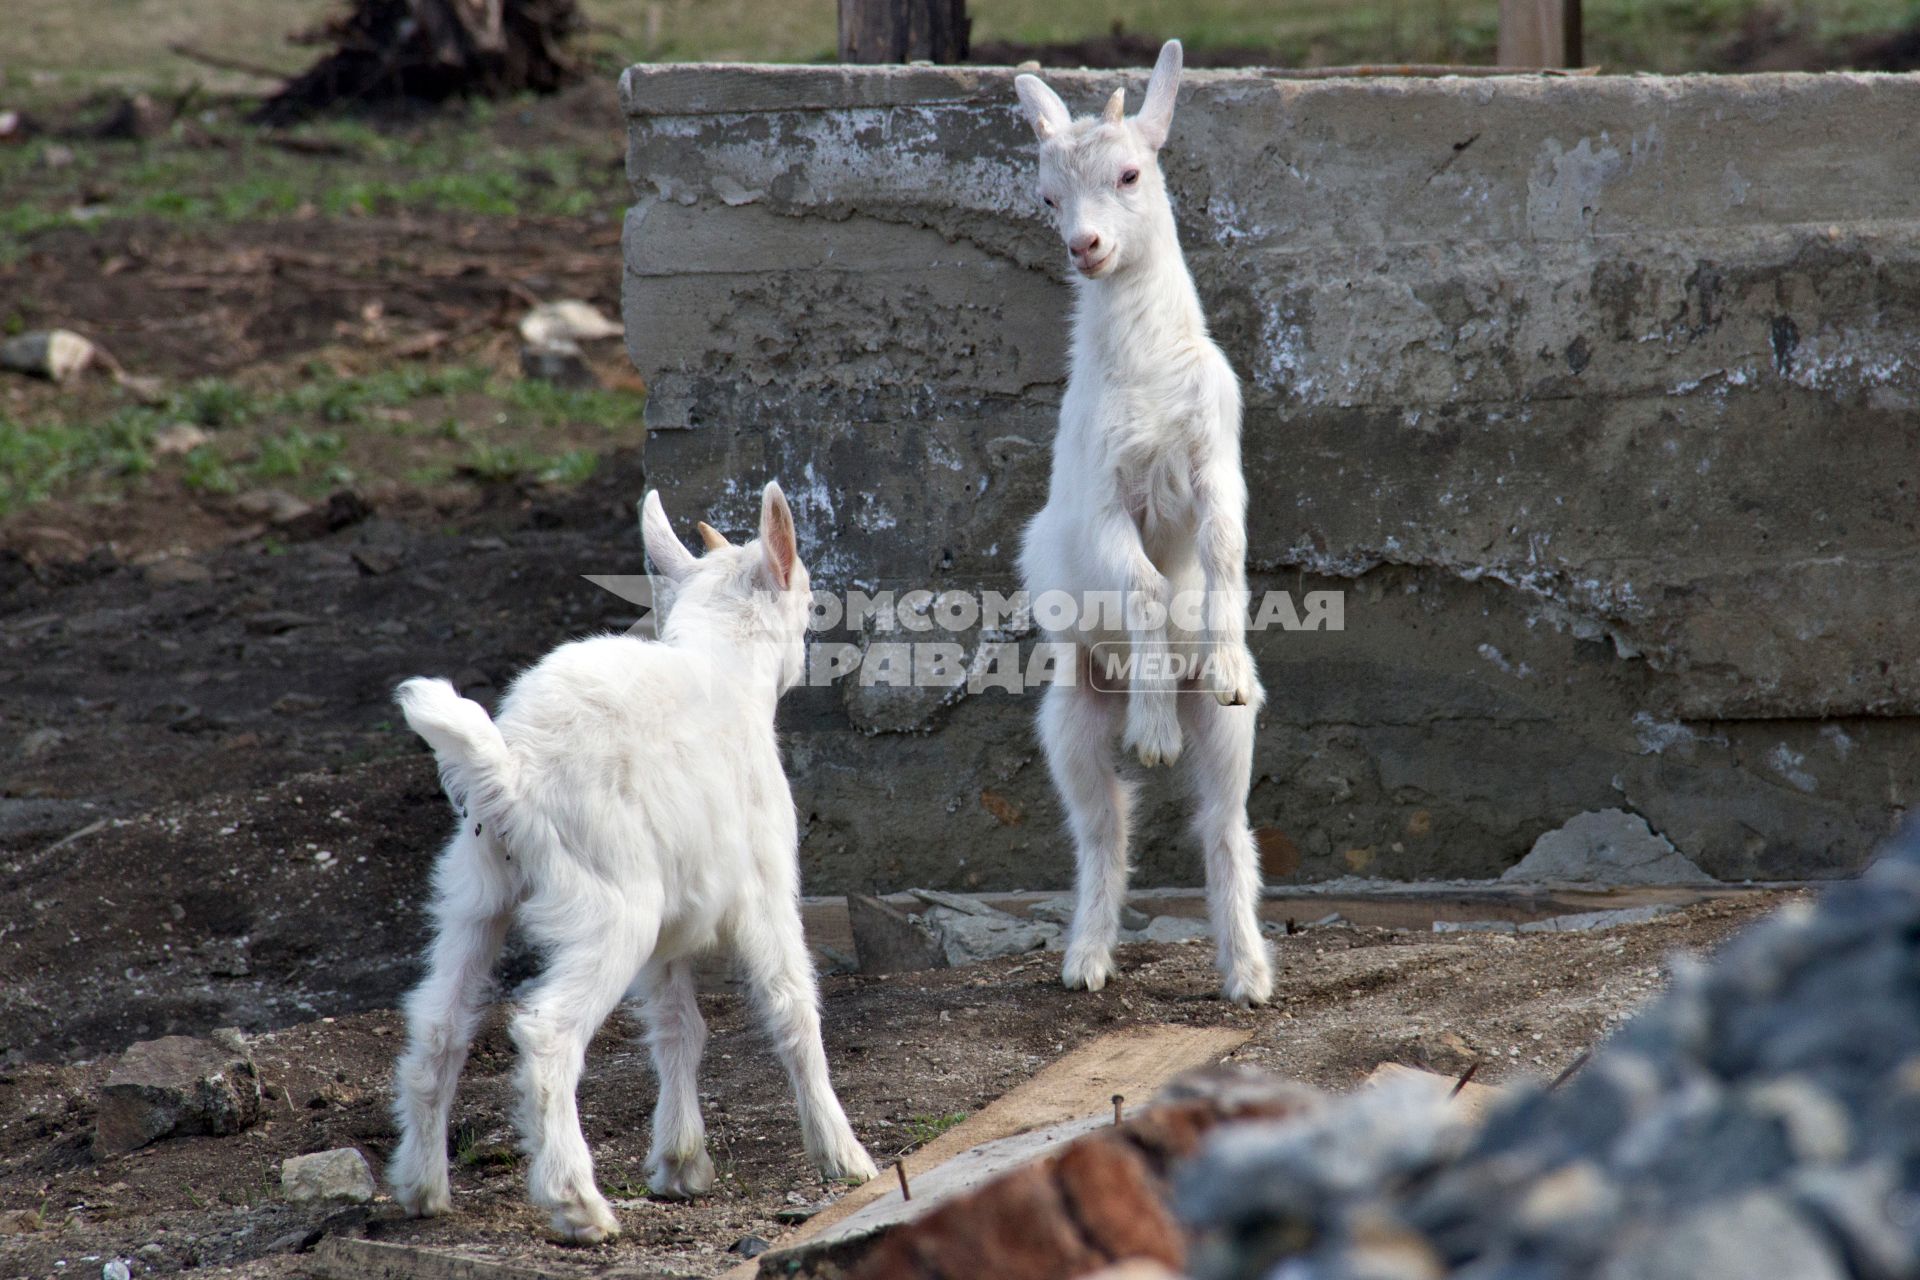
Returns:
(178, 438)
(956, 902)
(173, 1087)
(54, 354)
(170, 571)
(561, 363)
(1170, 929)
(1583, 921)
(1060, 911)
(1605, 846)
(969, 936)
(1759, 1234)
(275, 506)
(886, 940)
(340, 1174)
(1475, 926)
(1054, 911)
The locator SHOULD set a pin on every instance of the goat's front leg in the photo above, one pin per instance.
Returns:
(779, 973)
(1152, 729)
(677, 1163)
(1221, 500)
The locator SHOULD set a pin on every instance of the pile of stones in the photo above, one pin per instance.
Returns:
(1761, 1119)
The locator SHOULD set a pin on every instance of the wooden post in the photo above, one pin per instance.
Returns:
(1538, 33)
(903, 30)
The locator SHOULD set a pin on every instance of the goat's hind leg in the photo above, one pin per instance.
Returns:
(1077, 726)
(1219, 765)
(779, 972)
(472, 910)
(587, 973)
(677, 1163)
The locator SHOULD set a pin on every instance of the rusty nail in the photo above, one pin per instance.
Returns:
(1572, 1067)
(900, 1167)
(1461, 1083)
(1119, 1100)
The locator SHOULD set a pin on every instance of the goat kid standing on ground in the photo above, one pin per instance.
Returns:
(1147, 501)
(630, 808)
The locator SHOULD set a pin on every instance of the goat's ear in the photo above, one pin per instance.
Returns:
(1045, 112)
(668, 556)
(1156, 114)
(778, 546)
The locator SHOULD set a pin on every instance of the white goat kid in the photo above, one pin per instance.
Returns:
(1147, 501)
(629, 807)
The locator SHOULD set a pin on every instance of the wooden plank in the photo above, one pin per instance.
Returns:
(1472, 1100)
(344, 1258)
(1136, 1062)
(1540, 33)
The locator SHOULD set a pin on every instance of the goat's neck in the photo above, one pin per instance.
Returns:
(750, 663)
(1138, 321)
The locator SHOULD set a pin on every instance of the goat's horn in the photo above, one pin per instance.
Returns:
(1117, 106)
(712, 537)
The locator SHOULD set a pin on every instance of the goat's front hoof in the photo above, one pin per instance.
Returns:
(1086, 968)
(584, 1221)
(681, 1177)
(1156, 742)
(1237, 686)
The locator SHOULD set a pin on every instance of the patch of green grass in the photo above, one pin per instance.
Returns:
(500, 462)
(338, 399)
(295, 451)
(447, 165)
(207, 472)
(922, 1129)
(37, 459)
(554, 406)
(215, 402)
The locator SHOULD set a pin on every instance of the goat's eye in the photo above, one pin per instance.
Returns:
(1130, 177)
(1048, 201)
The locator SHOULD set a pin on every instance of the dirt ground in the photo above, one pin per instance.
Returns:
(909, 1052)
(208, 816)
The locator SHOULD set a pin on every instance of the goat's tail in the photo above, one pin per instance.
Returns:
(476, 768)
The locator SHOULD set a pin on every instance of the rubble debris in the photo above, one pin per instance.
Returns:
(340, 1174)
(968, 935)
(389, 51)
(59, 355)
(568, 321)
(1760, 1119)
(1100, 1199)
(1605, 846)
(177, 1085)
(888, 940)
(178, 438)
(562, 364)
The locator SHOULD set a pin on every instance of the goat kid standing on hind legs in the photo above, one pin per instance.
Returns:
(1147, 503)
(630, 809)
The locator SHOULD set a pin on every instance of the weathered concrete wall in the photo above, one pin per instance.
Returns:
(1593, 394)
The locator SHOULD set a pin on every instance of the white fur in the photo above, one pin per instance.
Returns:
(1147, 499)
(629, 807)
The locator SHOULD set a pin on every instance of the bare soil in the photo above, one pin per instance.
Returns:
(906, 1049)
